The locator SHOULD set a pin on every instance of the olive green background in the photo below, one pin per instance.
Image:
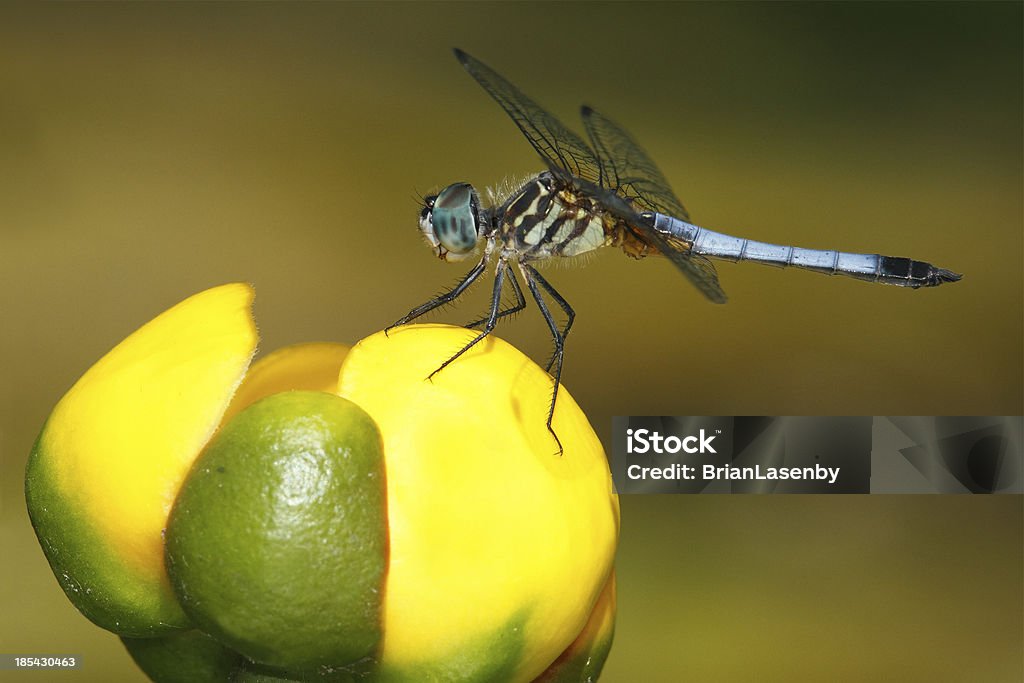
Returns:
(150, 151)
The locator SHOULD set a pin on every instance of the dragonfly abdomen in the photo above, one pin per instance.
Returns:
(890, 270)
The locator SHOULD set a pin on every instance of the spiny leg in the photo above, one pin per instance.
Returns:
(515, 308)
(533, 278)
(570, 316)
(443, 299)
(492, 319)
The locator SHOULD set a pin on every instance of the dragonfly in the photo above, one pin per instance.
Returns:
(605, 193)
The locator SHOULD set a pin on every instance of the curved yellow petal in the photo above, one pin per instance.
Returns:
(312, 366)
(499, 546)
(583, 660)
(107, 466)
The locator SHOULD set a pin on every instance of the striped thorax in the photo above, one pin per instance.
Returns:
(543, 219)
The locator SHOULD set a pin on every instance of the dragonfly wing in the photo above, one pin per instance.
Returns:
(634, 177)
(560, 148)
(697, 269)
(630, 172)
(701, 273)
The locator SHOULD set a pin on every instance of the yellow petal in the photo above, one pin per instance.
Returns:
(584, 659)
(313, 366)
(499, 546)
(112, 455)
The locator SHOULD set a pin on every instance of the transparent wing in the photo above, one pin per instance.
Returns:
(630, 172)
(701, 272)
(697, 269)
(633, 176)
(562, 149)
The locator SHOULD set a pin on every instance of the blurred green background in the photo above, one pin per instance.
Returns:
(150, 151)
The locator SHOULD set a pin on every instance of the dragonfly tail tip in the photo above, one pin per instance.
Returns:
(942, 275)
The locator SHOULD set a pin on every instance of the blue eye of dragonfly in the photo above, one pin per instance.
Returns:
(603, 192)
(452, 222)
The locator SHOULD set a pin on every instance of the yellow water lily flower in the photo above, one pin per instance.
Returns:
(499, 560)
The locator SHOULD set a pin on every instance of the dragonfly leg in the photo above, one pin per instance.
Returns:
(515, 308)
(533, 279)
(499, 280)
(570, 315)
(442, 299)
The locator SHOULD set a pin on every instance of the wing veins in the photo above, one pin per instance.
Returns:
(636, 178)
(560, 148)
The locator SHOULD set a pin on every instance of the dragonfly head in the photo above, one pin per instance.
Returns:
(450, 220)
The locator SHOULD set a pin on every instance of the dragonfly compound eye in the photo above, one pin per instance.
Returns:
(455, 218)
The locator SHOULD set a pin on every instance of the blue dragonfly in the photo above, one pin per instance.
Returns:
(605, 193)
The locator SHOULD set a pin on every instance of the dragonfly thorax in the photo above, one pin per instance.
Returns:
(548, 218)
(451, 221)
